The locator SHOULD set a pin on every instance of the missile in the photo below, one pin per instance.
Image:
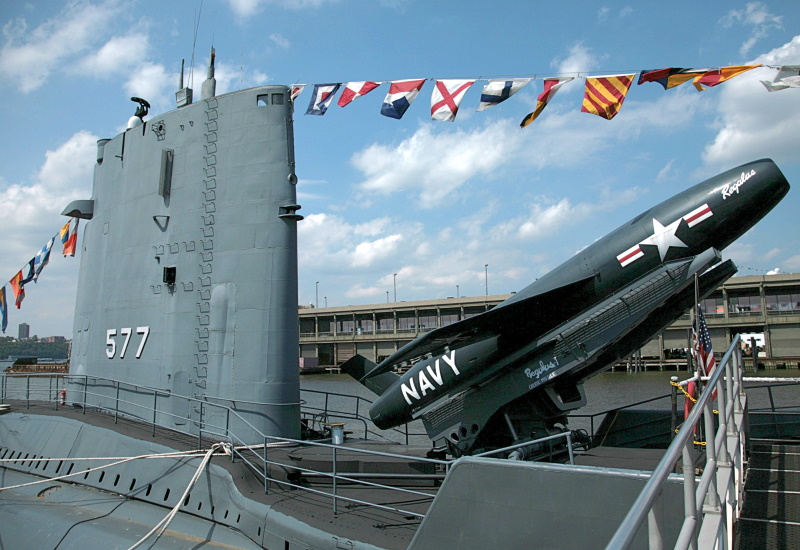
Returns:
(496, 377)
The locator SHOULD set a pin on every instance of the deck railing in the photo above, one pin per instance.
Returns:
(711, 504)
(212, 422)
(37, 390)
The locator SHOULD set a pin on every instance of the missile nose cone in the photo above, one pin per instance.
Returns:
(773, 184)
(745, 195)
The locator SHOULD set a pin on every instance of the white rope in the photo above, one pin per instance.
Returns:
(89, 458)
(184, 454)
(164, 523)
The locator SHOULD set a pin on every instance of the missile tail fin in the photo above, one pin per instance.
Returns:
(358, 366)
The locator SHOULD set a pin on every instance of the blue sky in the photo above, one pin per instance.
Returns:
(430, 201)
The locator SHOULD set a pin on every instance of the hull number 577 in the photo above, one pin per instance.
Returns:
(111, 341)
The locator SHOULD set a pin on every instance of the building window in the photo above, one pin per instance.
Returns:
(406, 323)
(713, 306)
(385, 324)
(325, 326)
(427, 320)
(449, 318)
(364, 326)
(744, 305)
(782, 302)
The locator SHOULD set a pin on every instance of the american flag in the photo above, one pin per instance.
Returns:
(703, 353)
(703, 356)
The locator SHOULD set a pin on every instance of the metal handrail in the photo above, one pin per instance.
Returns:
(227, 434)
(707, 506)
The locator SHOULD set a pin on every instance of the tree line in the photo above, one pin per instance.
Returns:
(32, 347)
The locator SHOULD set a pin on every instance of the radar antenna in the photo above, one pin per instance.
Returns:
(143, 108)
(141, 111)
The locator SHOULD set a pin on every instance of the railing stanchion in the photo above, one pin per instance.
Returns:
(27, 391)
(674, 402)
(334, 479)
(266, 472)
(569, 448)
(655, 524)
(85, 387)
(200, 429)
(689, 487)
(116, 405)
(712, 496)
(155, 397)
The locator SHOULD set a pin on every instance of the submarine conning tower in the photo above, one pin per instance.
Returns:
(187, 292)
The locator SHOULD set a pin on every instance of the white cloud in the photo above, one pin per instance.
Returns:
(435, 165)
(152, 82)
(604, 13)
(665, 172)
(279, 40)
(231, 77)
(358, 292)
(793, 263)
(65, 175)
(118, 55)
(28, 57)
(580, 59)
(368, 252)
(748, 254)
(740, 253)
(755, 16)
(330, 241)
(248, 8)
(754, 123)
(772, 254)
(545, 218)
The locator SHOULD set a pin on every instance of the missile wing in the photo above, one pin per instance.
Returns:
(518, 369)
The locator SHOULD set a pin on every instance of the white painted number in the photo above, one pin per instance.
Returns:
(127, 333)
(110, 333)
(145, 332)
(111, 343)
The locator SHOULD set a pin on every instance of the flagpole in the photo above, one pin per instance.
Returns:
(695, 329)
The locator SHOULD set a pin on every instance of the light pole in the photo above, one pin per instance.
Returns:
(395, 287)
(457, 294)
(326, 301)
(387, 296)
(486, 278)
(316, 302)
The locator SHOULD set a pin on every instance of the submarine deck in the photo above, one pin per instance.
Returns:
(385, 529)
(368, 524)
(382, 528)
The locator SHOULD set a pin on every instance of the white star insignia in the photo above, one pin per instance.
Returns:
(664, 237)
